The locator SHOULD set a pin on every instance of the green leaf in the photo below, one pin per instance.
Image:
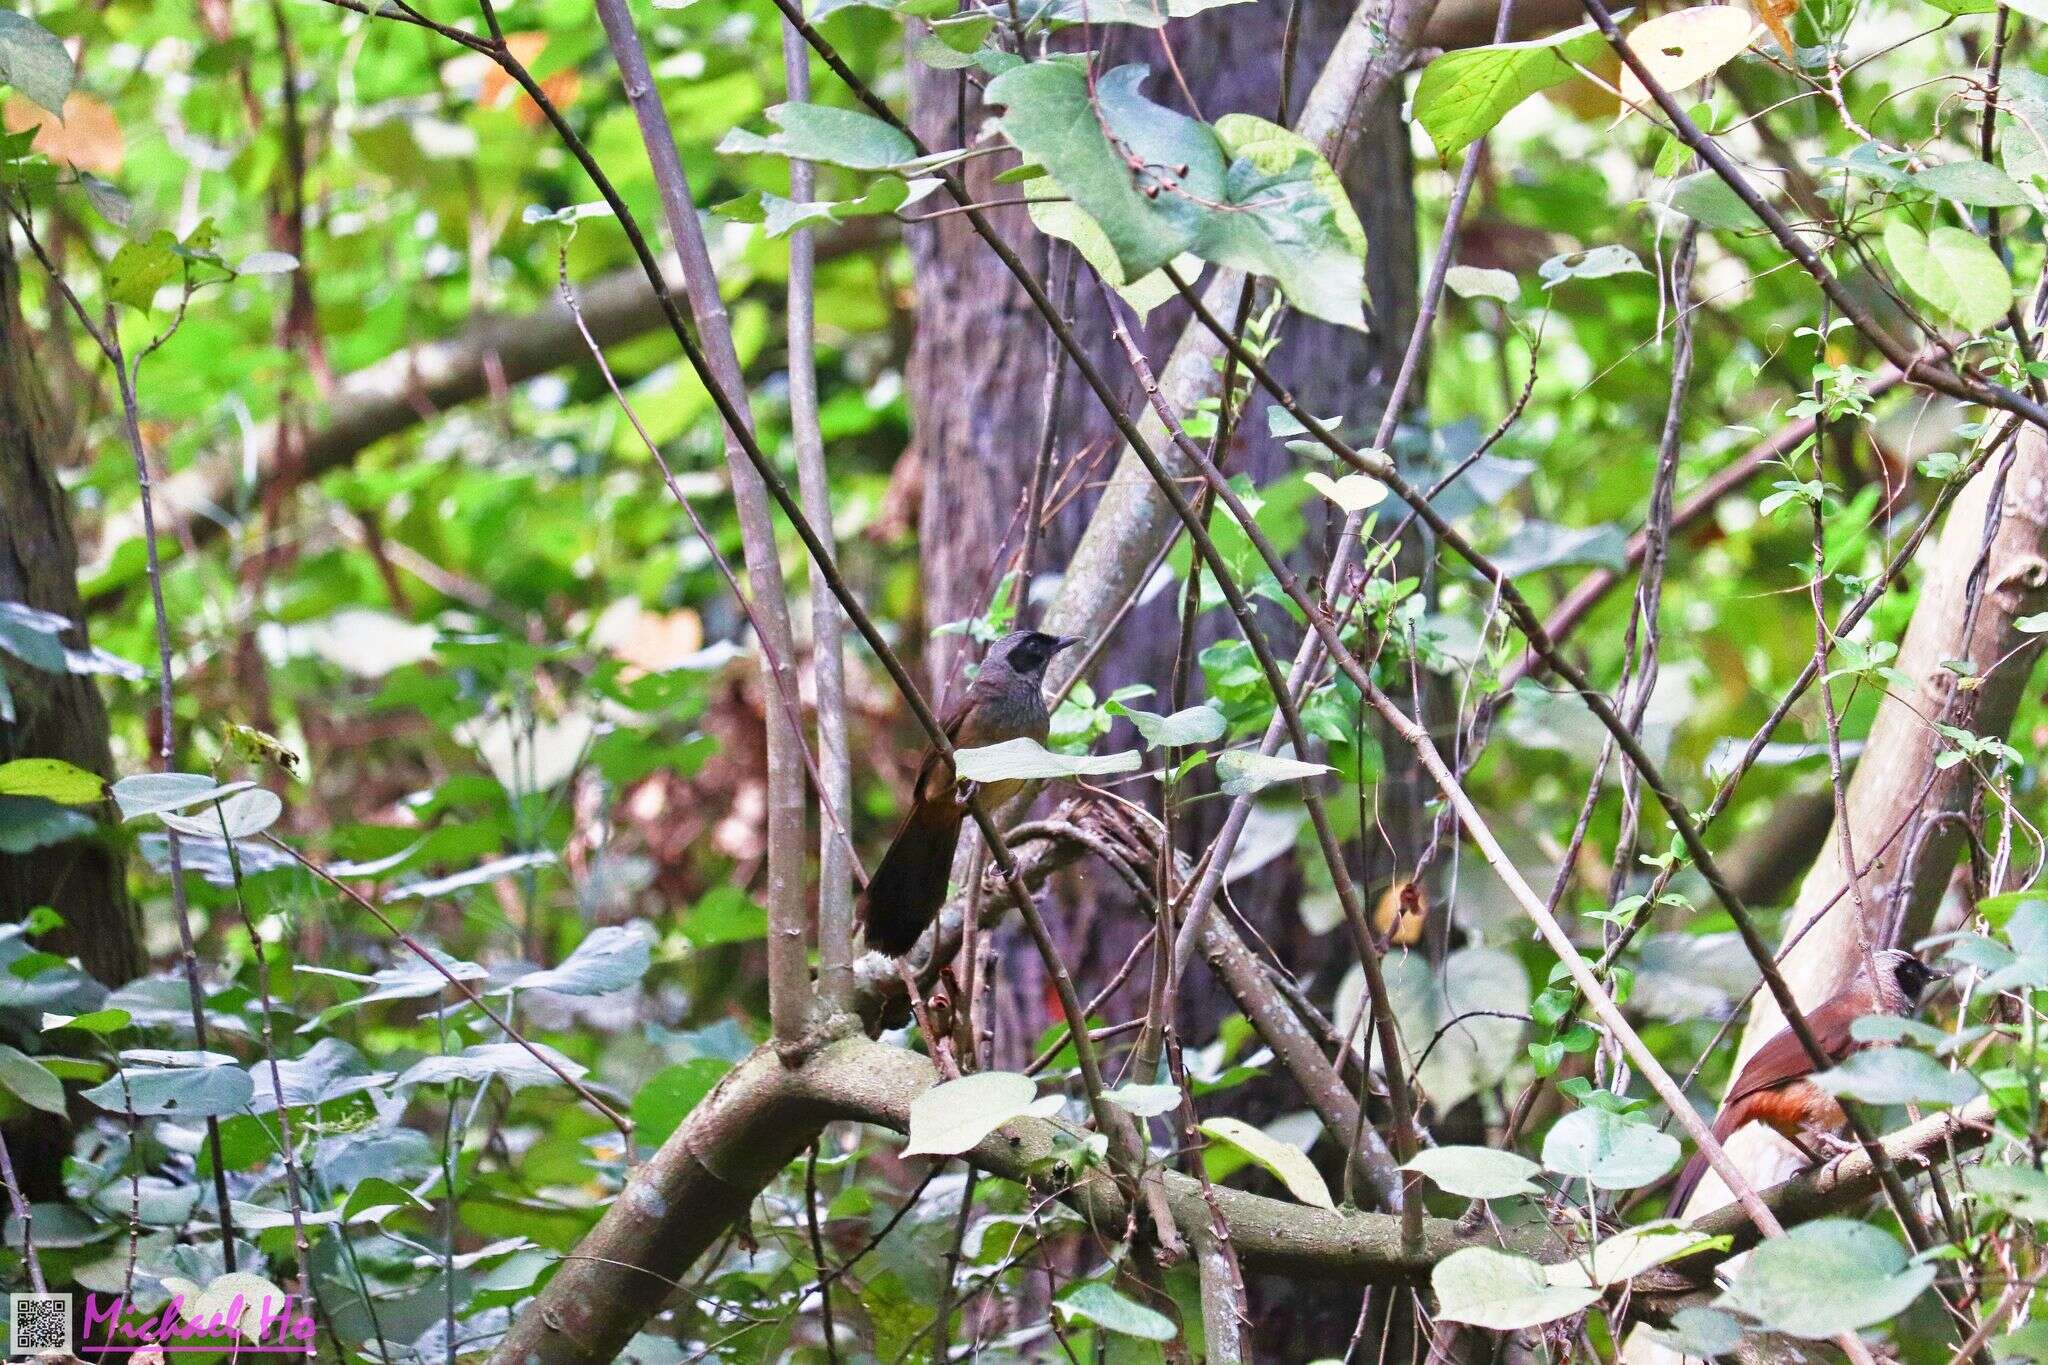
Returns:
(726, 914)
(1502, 1292)
(239, 815)
(384, 1196)
(29, 1081)
(1629, 1253)
(1050, 114)
(181, 1091)
(1025, 759)
(1703, 1332)
(1463, 94)
(52, 779)
(1954, 271)
(666, 1099)
(819, 132)
(484, 1062)
(2019, 1189)
(35, 61)
(1101, 1304)
(1248, 194)
(1196, 725)
(952, 1117)
(1607, 1150)
(1146, 1101)
(1476, 1172)
(139, 269)
(1546, 545)
(96, 1021)
(1471, 1051)
(610, 958)
(1477, 282)
(1596, 263)
(27, 824)
(151, 793)
(1711, 202)
(1285, 1160)
(1352, 492)
(1898, 1075)
(1826, 1277)
(1244, 771)
(1978, 183)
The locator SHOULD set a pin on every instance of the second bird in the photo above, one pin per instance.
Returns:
(1005, 701)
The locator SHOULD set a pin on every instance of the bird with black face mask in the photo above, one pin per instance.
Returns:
(1776, 1086)
(1005, 701)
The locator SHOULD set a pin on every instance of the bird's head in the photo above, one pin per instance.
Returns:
(1027, 652)
(1908, 973)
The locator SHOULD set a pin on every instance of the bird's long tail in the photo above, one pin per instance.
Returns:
(1688, 1181)
(907, 890)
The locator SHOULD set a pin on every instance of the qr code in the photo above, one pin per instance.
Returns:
(38, 1322)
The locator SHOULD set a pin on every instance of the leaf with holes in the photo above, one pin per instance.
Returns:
(1686, 46)
(183, 1091)
(52, 779)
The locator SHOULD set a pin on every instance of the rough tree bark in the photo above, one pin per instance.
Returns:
(980, 354)
(56, 715)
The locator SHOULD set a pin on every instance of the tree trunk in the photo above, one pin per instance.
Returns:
(976, 375)
(57, 715)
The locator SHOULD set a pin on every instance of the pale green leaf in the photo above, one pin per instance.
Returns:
(1285, 1160)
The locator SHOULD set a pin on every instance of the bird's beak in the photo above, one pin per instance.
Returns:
(1065, 642)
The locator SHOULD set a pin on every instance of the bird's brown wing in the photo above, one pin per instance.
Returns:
(1783, 1057)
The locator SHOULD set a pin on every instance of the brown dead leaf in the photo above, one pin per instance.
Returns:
(87, 138)
(1686, 46)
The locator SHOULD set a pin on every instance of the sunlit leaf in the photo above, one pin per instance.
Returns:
(951, 1117)
(1285, 1160)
